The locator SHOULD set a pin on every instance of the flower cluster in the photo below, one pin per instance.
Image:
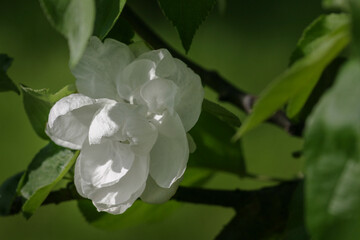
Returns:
(129, 120)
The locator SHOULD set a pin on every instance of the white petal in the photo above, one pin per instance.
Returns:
(123, 122)
(155, 194)
(159, 95)
(120, 208)
(191, 142)
(133, 76)
(189, 96)
(165, 65)
(139, 48)
(106, 163)
(100, 67)
(69, 120)
(170, 153)
(122, 191)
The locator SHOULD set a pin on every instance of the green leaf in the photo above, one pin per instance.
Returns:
(220, 112)
(122, 31)
(313, 37)
(75, 20)
(332, 153)
(302, 75)
(186, 16)
(107, 12)
(8, 194)
(6, 84)
(355, 17)
(214, 148)
(46, 169)
(336, 4)
(37, 104)
(140, 212)
(295, 228)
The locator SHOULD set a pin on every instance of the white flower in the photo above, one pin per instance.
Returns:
(130, 120)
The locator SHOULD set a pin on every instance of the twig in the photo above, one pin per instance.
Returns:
(226, 91)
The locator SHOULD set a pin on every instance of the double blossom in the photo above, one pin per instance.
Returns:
(129, 119)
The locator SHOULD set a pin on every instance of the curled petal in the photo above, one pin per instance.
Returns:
(189, 96)
(123, 122)
(120, 208)
(133, 76)
(100, 67)
(165, 65)
(155, 194)
(170, 153)
(106, 163)
(122, 191)
(69, 120)
(159, 95)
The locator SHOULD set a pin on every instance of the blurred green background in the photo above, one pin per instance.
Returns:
(248, 42)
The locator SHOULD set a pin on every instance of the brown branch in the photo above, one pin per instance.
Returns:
(227, 92)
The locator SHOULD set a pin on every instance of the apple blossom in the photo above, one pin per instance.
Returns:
(129, 120)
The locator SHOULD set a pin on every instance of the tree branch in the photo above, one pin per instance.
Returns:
(226, 91)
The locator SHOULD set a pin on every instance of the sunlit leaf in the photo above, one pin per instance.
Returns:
(332, 153)
(302, 74)
(75, 20)
(313, 37)
(6, 84)
(186, 15)
(107, 13)
(336, 4)
(46, 169)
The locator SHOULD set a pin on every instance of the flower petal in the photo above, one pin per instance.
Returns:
(155, 194)
(122, 191)
(189, 96)
(170, 153)
(159, 95)
(165, 65)
(133, 76)
(106, 163)
(190, 92)
(123, 122)
(100, 67)
(120, 208)
(69, 120)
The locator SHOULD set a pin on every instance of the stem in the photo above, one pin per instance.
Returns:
(227, 92)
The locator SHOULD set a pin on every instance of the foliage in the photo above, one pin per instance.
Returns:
(315, 99)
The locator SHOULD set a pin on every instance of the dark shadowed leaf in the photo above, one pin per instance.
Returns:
(186, 15)
(46, 169)
(297, 82)
(75, 20)
(214, 148)
(6, 84)
(37, 104)
(355, 17)
(221, 113)
(122, 31)
(107, 12)
(8, 193)
(332, 152)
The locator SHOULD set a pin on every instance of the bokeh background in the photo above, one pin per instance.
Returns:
(248, 42)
